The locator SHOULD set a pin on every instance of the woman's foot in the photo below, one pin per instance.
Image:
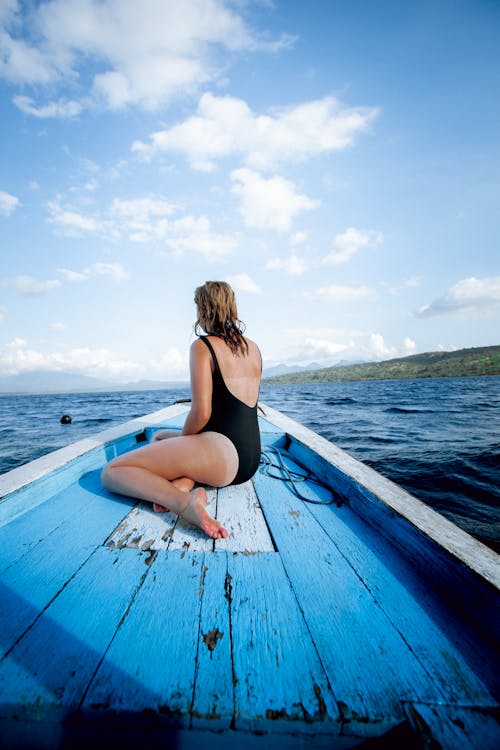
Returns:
(195, 512)
(184, 484)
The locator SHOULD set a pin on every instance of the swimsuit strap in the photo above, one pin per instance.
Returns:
(216, 363)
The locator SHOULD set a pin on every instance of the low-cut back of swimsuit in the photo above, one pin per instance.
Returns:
(237, 421)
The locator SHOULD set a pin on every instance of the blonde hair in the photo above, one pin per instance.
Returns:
(218, 315)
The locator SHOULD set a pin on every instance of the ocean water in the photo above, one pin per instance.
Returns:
(438, 438)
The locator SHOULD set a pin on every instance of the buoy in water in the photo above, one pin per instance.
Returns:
(65, 419)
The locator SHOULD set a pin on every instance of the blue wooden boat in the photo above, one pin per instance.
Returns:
(341, 612)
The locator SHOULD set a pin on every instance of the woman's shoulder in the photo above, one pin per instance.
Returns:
(251, 343)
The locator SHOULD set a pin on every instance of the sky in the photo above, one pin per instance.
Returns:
(338, 163)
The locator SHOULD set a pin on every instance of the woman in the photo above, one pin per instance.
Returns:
(219, 443)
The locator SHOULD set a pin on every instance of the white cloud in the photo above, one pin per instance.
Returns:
(268, 203)
(139, 210)
(298, 238)
(226, 126)
(325, 347)
(348, 243)
(336, 293)
(329, 345)
(413, 281)
(378, 348)
(293, 265)
(17, 357)
(62, 109)
(192, 234)
(115, 270)
(172, 364)
(29, 286)
(469, 296)
(72, 276)
(143, 221)
(8, 203)
(72, 222)
(58, 326)
(409, 345)
(244, 283)
(140, 53)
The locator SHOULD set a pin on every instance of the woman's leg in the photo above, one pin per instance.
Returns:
(183, 483)
(150, 472)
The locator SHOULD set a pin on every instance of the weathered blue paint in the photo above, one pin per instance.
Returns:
(49, 669)
(280, 683)
(340, 636)
(213, 700)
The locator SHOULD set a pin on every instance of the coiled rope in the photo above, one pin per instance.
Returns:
(293, 477)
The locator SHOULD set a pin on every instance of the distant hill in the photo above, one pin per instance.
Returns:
(271, 372)
(463, 362)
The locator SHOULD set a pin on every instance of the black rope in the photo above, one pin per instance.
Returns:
(293, 477)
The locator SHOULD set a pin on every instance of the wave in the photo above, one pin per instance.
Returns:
(340, 401)
(407, 410)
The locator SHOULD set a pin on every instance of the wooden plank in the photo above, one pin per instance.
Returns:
(443, 645)
(27, 530)
(369, 665)
(239, 511)
(156, 647)
(213, 704)
(452, 727)
(143, 529)
(45, 675)
(29, 586)
(279, 681)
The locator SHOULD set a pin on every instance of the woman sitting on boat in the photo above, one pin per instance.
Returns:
(219, 444)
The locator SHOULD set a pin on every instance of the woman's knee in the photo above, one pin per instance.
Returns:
(107, 475)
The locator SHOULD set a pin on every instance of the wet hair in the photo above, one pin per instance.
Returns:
(218, 316)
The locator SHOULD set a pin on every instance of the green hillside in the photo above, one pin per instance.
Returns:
(464, 362)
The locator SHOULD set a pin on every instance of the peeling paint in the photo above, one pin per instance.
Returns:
(211, 637)
(228, 589)
(149, 559)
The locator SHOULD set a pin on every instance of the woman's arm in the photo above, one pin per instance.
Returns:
(201, 389)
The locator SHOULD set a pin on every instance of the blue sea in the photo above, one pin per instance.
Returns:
(439, 438)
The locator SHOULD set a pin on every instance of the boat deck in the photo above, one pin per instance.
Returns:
(304, 628)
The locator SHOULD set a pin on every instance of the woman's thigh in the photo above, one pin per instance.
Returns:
(207, 458)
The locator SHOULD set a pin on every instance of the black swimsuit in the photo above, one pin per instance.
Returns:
(237, 421)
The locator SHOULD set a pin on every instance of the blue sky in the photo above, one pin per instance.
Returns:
(337, 162)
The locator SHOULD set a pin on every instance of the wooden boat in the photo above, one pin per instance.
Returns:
(367, 622)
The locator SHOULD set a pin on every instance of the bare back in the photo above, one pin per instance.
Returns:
(241, 373)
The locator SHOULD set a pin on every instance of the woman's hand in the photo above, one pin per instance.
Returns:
(165, 434)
